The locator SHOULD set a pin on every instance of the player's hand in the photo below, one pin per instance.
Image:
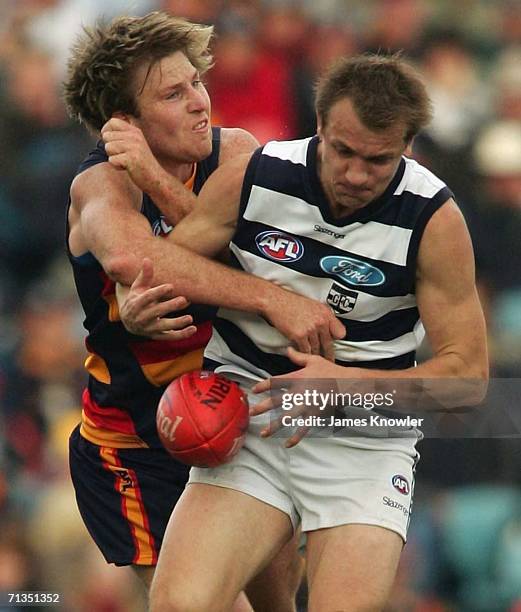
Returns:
(144, 308)
(313, 367)
(127, 149)
(310, 325)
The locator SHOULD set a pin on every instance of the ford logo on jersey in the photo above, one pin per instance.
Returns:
(352, 271)
(279, 246)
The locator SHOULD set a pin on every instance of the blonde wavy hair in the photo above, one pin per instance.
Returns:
(105, 57)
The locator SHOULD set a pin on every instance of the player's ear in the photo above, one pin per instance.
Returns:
(319, 125)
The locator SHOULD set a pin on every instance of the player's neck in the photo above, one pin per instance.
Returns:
(182, 171)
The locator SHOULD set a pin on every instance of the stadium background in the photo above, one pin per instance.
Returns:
(464, 551)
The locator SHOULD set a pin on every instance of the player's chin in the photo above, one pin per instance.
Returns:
(354, 201)
(201, 145)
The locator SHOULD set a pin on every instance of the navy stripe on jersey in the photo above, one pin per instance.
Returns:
(208, 165)
(406, 209)
(240, 344)
(392, 325)
(247, 183)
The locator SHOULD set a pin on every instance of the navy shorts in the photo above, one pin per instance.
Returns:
(125, 497)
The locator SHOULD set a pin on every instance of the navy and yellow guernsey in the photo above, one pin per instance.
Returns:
(128, 373)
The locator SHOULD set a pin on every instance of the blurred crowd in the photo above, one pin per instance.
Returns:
(465, 547)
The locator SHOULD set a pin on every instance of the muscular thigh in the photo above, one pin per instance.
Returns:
(216, 541)
(351, 567)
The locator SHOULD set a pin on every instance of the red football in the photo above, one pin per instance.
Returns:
(202, 418)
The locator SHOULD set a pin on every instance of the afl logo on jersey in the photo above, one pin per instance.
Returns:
(279, 246)
(352, 271)
(401, 484)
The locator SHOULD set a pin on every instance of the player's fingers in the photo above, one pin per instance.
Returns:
(263, 385)
(119, 161)
(298, 358)
(314, 343)
(327, 349)
(113, 125)
(142, 308)
(115, 146)
(274, 425)
(156, 295)
(178, 303)
(144, 279)
(263, 406)
(152, 326)
(303, 345)
(174, 323)
(296, 437)
(338, 329)
(162, 307)
(181, 334)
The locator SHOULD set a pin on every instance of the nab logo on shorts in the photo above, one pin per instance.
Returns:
(401, 484)
(340, 299)
(279, 246)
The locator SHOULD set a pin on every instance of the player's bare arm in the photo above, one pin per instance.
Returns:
(104, 209)
(211, 225)
(448, 300)
(208, 229)
(128, 151)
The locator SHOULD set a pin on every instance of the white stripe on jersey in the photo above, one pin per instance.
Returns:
(367, 308)
(218, 350)
(295, 150)
(374, 240)
(418, 180)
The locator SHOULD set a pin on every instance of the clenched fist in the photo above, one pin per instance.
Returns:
(127, 149)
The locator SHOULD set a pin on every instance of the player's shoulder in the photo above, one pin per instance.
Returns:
(103, 181)
(295, 151)
(236, 141)
(419, 180)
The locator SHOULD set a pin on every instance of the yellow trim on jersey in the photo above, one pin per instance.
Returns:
(108, 437)
(189, 184)
(97, 367)
(164, 372)
(113, 313)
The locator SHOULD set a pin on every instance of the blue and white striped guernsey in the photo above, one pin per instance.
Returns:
(363, 265)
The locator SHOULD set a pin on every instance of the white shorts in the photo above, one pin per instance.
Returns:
(324, 481)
